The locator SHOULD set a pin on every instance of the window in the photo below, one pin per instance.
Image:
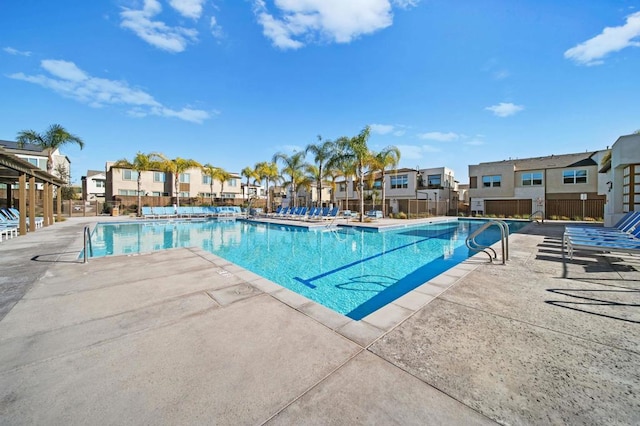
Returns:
(185, 178)
(342, 187)
(631, 188)
(130, 192)
(99, 183)
(227, 195)
(206, 179)
(434, 181)
(473, 182)
(232, 182)
(532, 179)
(159, 177)
(206, 195)
(399, 181)
(184, 195)
(129, 175)
(574, 176)
(156, 194)
(493, 181)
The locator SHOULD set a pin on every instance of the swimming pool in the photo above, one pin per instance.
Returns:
(350, 270)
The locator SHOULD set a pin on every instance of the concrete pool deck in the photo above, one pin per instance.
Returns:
(182, 336)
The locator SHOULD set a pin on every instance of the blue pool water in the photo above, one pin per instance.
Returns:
(352, 271)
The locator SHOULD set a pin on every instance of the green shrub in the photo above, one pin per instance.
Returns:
(401, 215)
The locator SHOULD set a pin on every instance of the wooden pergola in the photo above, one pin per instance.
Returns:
(16, 170)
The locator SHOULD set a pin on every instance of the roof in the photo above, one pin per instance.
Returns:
(11, 167)
(94, 172)
(29, 147)
(550, 162)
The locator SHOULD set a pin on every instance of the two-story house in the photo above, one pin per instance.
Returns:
(93, 185)
(433, 190)
(555, 185)
(38, 157)
(193, 187)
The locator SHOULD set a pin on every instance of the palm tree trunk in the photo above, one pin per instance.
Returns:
(361, 192)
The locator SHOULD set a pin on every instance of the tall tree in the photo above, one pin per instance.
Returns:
(249, 173)
(389, 157)
(52, 139)
(222, 176)
(354, 150)
(141, 163)
(322, 153)
(176, 167)
(210, 171)
(293, 166)
(269, 172)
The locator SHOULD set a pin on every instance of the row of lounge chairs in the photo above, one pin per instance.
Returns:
(190, 212)
(304, 213)
(623, 237)
(9, 222)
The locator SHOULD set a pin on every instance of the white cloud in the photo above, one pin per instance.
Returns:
(70, 81)
(410, 152)
(405, 4)
(612, 39)
(188, 8)
(474, 142)
(505, 109)
(439, 136)
(381, 129)
(334, 20)
(12, 51)
(216, 29)
(156, 33)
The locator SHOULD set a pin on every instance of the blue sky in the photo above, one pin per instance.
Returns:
(232, 82)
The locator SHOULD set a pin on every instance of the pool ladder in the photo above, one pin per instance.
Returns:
(88, 247)
(472, 244)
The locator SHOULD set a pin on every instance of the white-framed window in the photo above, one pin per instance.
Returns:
(156, 194)
(532, 179)
(399, 181)
(434, 180)
(492, 181)
(206, 179)
(184, 195)
(129, 174)
(206, 195)
(185, 178)
(99, 183)
(574, 176)
(232, 182)
(159, 177)
(342, 187)
(129, 192)
(223, 195)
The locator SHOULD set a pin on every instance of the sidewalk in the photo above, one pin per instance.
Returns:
(182, 336)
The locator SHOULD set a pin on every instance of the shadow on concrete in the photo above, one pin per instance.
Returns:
(592, 302)
(53, 258)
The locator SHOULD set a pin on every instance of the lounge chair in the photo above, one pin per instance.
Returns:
(147, 213)
(331, 214)
(374, 214)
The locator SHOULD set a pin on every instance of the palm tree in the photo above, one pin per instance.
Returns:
(312, 175)
(221, 175)
(176, 167)
(141, 163)
(51, 140)
(322, 153)
(269, 172)
(293, 167)
(211, 172)
(355, 151)
(249, 173)
(388, 157)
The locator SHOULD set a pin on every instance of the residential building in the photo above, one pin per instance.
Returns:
(436, 187)
(556, 185)
(38, 157)
(620, 178)
(94, 185)
(193, 186)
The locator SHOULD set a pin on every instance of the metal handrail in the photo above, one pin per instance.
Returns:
(472, 244)
(535, 213)
(88, 247)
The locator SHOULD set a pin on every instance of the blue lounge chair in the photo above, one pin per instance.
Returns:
(374, 214)
(331, 214)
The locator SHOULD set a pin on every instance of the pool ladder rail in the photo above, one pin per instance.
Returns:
(88, 247)
(472, 244)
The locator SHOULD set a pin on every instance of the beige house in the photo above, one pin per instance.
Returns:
(555, 185)
(193, 185)
(36, 156)
(433, 185)
(620, 178)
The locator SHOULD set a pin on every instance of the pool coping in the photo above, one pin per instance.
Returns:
(363, 332)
